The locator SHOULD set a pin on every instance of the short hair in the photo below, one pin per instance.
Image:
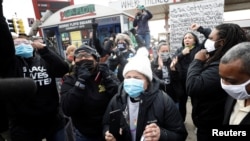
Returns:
(241, 52)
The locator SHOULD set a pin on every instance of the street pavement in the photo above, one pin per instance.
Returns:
(189, 123)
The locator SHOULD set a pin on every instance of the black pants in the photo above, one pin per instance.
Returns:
(183, 106)
(204, 134)
(35, 130)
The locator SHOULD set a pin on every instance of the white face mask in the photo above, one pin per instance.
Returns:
(209, 45)
(237, 91)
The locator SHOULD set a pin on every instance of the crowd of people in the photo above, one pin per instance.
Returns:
(112, 90)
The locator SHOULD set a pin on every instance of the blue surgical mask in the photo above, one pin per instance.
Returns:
(24, 50)
(133, 87)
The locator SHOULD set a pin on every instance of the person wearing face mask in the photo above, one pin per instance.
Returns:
(146, 113)
(37, 117)
(169, 78)
(86, 92)
(203, 80)
(120, 55)
(234, 71)
(32, 120)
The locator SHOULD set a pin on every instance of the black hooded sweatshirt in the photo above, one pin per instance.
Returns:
(40, 109)
(87, 106)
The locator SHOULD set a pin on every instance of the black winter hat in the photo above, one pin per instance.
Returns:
(87, 49)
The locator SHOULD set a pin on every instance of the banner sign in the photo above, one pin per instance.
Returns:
(206, 13)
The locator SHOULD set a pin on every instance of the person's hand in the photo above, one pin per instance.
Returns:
(117, 52)
(83, 73)
(104, 69)
(173, 63)
(120, 57)
(152, 132)
(160, 62)
(194, 26)
(201, 55)
(37, 45)
(137, 15)
(112, 37)
(109, 136)
(185, 51)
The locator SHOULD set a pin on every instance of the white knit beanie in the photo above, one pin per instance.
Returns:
(140, 63)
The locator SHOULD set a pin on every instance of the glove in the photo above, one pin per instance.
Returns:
(113, 35)
(83, 73)
(104, 69)
(121, 58)
(118, 53)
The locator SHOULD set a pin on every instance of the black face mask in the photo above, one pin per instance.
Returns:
(122, 46)
(89, 64)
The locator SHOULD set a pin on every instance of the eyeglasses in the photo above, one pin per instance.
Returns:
(85, 55)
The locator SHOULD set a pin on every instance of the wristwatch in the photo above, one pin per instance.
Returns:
(80, 85)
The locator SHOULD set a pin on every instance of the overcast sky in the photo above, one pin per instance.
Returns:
(24, 9)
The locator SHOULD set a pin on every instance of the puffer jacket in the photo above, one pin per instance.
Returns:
(154, 106)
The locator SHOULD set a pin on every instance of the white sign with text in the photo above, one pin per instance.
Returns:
(208, 14)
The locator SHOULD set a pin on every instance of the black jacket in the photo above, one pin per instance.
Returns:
(6, 40)
(207, 96)
(142, 22)
(43, 69)
(117, 62)
(86, 107)
(229, 107)
(154, 106)
(185, 60)
(174, 88)
(42, 108)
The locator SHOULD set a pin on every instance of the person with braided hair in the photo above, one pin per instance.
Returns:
(203, 79)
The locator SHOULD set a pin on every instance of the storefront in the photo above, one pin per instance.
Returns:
(72, 25)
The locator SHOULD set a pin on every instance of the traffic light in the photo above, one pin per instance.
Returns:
(12, 25)
(20, 26)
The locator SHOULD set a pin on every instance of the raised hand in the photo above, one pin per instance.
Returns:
(194, 26)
